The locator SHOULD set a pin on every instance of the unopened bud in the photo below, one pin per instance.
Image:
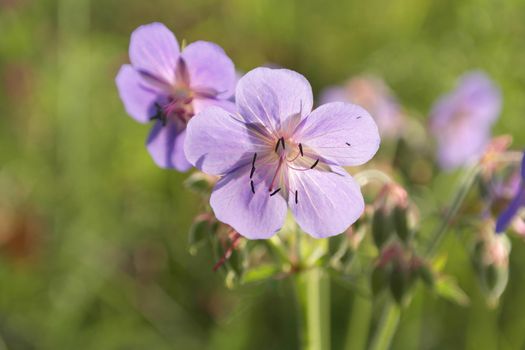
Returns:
(381, 227)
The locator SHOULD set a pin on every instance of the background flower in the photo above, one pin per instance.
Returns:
(169, 86)
(461, 121)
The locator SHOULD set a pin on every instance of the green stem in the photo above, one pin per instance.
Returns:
(312, 288)
(463, 189)
(359, 323)
(387, 327)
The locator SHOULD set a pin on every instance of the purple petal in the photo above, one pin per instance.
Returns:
(327, 202)
(461, 145)
(253, 215)
(341, 133)
(166, 146)
(508, 214)
(219, 142)
(210, 70)
(480, 96)
(200, 104)
(273, 97)
(154, 50)
(138, 98)
(522, 168)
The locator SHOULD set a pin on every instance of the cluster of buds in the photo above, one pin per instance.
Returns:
(398, 268)
(393, 228)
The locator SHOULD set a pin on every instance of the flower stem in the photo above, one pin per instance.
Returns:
(463, 189)
(359, 323)
(387, 327)
(312, 287)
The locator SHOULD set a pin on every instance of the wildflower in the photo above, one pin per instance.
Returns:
(277, 152)
(461, 121)
(375, 96)
(517, 202)
(168, 86)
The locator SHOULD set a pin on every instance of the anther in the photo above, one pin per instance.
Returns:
(252, 186)
(348, 144)
(358, 117)
(275, 192)
(251, 172)
(315, 164)
(277, 145)
(295, 196)
(282, 141)
(253, 161)
(301, 149)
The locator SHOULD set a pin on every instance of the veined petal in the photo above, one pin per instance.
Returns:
(166, 146)
(219, 142)
(272, 97)
(138, 98)
(341, 133)
(254, 214)
(211, 72)
(324, 203)
(508, 214)
(154, 50)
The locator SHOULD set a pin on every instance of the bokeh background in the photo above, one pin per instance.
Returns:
(93, 236)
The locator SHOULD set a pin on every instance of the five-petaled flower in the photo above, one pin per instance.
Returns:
(169, 86)
(461, 121)
(277, 153)
(505, 218)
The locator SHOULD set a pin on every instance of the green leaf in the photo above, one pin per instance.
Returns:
(448, 288)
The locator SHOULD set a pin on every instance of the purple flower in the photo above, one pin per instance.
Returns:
(169, 87)
(278, 153)
(461, 121)
(517, 202)
(375, 96)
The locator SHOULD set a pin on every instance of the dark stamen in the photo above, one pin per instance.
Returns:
(282, 141)
(251, 173)
(348, 144)
(253, 188)
(313, 166)
(253, 161)
(275, 192)
(358, 117)
(301, 149)
(295, 196)
(277, 145)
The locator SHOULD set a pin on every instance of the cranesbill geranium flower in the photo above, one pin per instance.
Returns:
(278, 153)
(375, 96)
(517, 202)
(168, 86)
(461, 121)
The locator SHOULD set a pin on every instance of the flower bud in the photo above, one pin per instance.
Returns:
(381, 227)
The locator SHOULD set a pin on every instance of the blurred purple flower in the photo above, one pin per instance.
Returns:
(517, 202)
(375, 96)
(461, 121)
(277, 152)
(169, 86)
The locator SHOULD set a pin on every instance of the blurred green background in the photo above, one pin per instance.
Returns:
(93, 236)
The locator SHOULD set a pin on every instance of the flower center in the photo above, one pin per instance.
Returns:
(177, 107)
(286, 154)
